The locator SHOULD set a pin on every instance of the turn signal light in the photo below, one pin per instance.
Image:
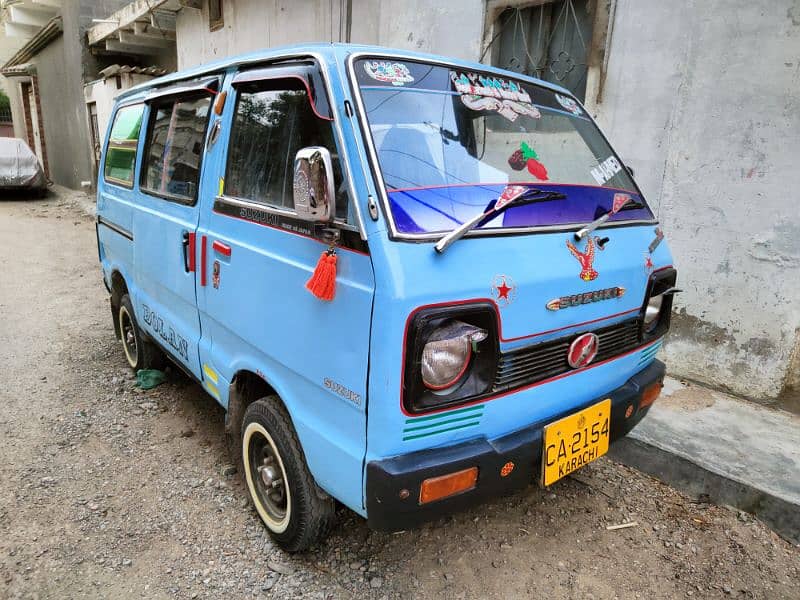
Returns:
(650, 394)
(445, 486)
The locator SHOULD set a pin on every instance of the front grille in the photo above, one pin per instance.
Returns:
(530, 364)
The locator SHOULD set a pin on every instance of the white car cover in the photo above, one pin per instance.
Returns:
(19, 166)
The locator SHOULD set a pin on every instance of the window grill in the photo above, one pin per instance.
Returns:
(549, 41)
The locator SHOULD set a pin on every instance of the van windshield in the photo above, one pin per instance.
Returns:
(450, 140)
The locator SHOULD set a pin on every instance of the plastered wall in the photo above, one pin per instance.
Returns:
(702, 98)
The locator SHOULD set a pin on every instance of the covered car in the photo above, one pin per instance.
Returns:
(20, 169)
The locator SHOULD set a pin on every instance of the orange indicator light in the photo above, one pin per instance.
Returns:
(507, 468)
(444, 486)
(650, 394)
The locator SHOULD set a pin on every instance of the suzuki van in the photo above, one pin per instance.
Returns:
(413, 283)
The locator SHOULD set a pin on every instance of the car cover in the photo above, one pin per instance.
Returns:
(19, 166)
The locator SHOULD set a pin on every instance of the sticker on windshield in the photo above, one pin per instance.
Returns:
(606, 170)
(495, 94)
(526, 157)
(394, 73)
(569, 104)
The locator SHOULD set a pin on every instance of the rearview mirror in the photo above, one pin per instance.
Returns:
(314, 196)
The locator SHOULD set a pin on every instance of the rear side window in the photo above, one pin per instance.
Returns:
(274, 119)
(122, 143)
(174, 147)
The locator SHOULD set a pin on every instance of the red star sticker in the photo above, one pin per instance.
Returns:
(503, 290)
(648, 263)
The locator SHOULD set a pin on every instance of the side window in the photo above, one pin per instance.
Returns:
(122, 142)
(274, 119)
(174, 147)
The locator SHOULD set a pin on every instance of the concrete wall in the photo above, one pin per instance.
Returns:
(701, 97)
(450, 27)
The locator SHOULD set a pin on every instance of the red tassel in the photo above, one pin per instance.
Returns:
(323, 282)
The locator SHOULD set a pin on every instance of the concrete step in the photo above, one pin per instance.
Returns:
(722, 449)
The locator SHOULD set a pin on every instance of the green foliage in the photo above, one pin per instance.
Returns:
(5, 103)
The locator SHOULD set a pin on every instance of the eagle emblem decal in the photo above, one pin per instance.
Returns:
(585, 258)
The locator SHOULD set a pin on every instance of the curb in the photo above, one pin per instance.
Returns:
(780, 515)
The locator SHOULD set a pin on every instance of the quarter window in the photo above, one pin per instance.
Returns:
(122, 143)
(175, 147)
(274, 119)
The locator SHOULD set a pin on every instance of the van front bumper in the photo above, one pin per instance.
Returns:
(390, 510)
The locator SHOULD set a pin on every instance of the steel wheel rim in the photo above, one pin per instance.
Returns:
(128, 332)
(266, 477)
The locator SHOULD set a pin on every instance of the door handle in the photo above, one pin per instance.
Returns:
(189, 252)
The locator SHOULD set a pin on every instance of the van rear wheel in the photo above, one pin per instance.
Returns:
(295, 511)
(140, 352)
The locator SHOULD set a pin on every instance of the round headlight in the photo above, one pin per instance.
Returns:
(446, 355)
(652, 311)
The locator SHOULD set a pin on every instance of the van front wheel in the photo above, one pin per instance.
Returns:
(296, 512)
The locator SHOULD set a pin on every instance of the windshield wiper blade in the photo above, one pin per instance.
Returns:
(621, 201)
(513, 195)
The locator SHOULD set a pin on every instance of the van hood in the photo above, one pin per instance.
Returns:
(543, 285)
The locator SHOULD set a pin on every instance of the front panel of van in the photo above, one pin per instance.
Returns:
(548, 323)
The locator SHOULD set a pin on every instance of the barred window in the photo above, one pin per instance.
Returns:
(549, 41)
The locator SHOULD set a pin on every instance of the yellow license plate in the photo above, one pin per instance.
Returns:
(575, 441)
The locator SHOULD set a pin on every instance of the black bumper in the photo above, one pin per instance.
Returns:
(386, 478)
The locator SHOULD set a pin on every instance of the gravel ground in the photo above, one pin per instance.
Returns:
(110, 491)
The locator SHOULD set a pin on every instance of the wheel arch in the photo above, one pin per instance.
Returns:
(247, 386)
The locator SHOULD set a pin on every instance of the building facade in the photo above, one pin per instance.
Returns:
(700, 98)
(44, 78)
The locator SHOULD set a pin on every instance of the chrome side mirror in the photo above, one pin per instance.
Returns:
(314, 196)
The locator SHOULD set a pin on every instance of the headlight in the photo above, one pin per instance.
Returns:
(450, 354)
(657, 307)
(652, 312)
(447, 353)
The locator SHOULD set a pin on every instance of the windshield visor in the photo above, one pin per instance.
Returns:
(450, 140)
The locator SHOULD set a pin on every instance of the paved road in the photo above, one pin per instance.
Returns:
(109, 491)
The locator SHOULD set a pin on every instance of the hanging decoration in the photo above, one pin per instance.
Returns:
(323, 281)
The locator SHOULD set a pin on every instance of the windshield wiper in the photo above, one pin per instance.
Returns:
(621, 201)
(513, 195)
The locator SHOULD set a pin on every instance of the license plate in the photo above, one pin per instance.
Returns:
(575, 440)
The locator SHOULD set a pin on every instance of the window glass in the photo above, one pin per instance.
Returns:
(122, 142)
(273, 121)
(175, 147)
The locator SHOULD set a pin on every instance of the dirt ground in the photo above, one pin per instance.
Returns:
(108, 491)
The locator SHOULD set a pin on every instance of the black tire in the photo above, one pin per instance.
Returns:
(274, 462)
(140, 352)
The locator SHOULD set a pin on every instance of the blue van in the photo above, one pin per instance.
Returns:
(414, 283)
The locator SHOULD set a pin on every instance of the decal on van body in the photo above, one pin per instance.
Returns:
(166, 332)
(504, 291)
(586, 259)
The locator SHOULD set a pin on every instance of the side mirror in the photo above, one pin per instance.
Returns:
(314, 196)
